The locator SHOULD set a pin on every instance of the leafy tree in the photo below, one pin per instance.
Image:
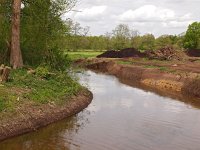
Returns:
(5, 22)
(43, 31)
(121, 35)
(164, 40)
(192, 37)
(136, 42)
(147, 42)
(77, 38)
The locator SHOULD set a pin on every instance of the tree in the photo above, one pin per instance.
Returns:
(136, 42)
(164, 40)
(42, 33)
(121, 35)
(148, 42)
(192, 37)
(5, 17)
(15, 53)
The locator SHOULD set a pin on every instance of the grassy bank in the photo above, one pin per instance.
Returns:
(33, 99)
(40, 87)
(83, 54)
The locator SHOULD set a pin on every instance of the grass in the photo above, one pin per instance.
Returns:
(83, 54)
(146, 66)
(124, 62)
(157, 67)
(7, 99)
(58, 88)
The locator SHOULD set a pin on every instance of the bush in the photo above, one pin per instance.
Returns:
(56, 60)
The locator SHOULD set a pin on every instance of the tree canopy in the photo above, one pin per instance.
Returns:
(192, 37)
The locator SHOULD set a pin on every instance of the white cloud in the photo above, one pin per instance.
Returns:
(91, 14)
(155, 16)
(176, 24)
(148, 13)
(186, 17)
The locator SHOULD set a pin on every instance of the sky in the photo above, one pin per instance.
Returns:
(158, 17)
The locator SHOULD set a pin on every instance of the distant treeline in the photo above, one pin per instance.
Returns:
(122, 37)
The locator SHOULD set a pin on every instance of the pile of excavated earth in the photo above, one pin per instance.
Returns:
(193, 52)
(124, 53)
(165, 53)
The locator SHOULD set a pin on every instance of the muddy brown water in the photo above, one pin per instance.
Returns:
(120, 118)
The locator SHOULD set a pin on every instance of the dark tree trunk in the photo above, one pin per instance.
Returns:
(15, 53)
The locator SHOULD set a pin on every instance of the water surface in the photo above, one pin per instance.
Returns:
(120, 118)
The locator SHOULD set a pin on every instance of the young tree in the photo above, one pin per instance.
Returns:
(121, 35)
(15, 54)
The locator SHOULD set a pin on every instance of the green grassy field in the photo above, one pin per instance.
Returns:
(83, 54)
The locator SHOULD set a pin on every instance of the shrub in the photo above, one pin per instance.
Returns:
(56, 60)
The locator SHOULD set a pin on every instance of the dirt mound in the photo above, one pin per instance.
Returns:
(193, 52)
(124, 53)
(166, 53)
(109, 54)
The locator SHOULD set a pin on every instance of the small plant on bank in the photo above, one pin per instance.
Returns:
(42, 72)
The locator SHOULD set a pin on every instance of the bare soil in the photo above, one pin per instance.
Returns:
(161, 75)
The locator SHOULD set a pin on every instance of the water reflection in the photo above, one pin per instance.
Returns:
(58, 136)
(120, 117)
(193, 102)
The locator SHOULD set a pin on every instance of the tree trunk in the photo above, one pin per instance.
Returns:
(15, 54)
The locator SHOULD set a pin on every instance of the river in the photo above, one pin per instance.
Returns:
(120, 117)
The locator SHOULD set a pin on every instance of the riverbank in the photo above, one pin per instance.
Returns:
(30, 101)
(119, 112)
(151, 74)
